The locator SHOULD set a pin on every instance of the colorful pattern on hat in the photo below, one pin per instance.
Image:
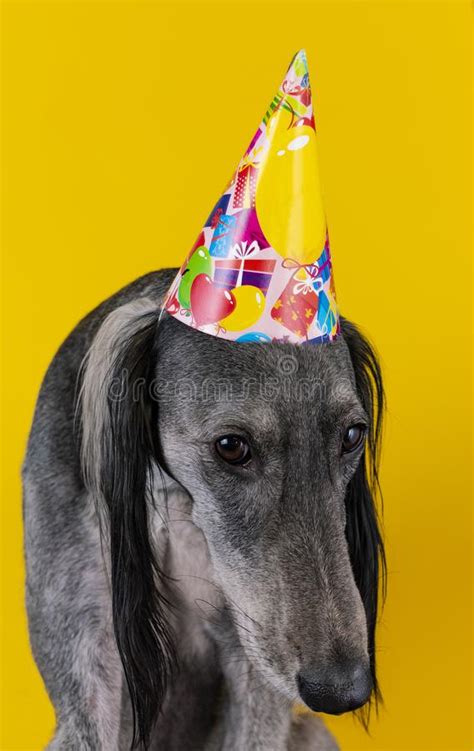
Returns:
(261, 268)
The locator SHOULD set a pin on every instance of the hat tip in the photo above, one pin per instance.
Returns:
(300, 61)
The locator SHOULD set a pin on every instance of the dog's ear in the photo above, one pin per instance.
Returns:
(118, 448)
(362, 530)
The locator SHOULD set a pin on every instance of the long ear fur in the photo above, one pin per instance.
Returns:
(363, 533)
(118, 449)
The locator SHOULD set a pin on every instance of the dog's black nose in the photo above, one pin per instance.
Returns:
(337, 689)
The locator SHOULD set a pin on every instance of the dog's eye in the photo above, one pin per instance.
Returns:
(353, 438)
(233, 449)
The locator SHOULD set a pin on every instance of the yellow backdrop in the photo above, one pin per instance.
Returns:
(122, 122)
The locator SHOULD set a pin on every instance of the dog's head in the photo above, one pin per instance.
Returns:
(276, 445)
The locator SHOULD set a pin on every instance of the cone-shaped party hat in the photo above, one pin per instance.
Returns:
(261, 268)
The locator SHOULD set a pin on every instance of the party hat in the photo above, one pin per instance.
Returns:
(261, 268)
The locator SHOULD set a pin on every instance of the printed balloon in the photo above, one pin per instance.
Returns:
(208, 302)
(249, 306)
(288, 197)
(199, 263)
(254, 336)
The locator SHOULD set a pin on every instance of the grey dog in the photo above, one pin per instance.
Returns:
(201, 535)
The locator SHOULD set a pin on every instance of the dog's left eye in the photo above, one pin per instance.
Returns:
(353, 438)
(233, 449)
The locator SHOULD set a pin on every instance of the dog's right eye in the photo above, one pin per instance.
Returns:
(353, 438)
(233, 449)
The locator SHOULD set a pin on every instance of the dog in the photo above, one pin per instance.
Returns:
(202, 542)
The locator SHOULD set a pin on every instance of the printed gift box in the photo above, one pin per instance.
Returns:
(235, 272)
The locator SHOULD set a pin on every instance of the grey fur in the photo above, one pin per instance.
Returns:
(263, 577)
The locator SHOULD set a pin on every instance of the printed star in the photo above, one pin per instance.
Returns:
(278, 305)
(308, 312)
(294, 317)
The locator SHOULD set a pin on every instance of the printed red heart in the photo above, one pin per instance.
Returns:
(208, 302)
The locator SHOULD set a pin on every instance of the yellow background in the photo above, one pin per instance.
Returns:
(122, 121)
